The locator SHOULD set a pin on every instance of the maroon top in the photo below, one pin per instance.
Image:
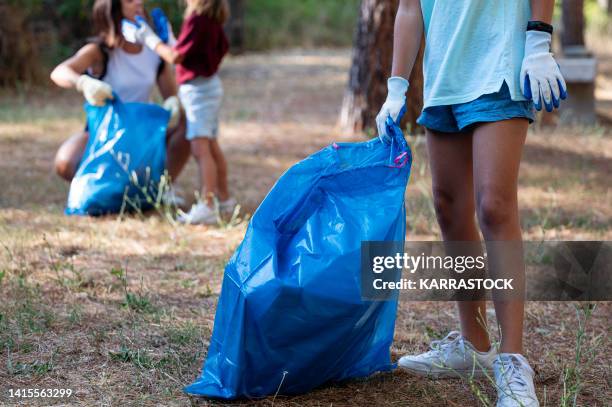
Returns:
(203, 44)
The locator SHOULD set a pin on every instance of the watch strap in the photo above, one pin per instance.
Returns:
(539, 26)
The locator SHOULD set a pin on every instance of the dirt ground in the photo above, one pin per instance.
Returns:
(121, 310)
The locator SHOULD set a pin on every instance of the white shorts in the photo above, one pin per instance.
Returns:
(201, 99)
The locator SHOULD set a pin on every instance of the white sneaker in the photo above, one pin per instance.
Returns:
(453, 356)
(514, 380)
(171, 198)
(227, 206)
(200, 213)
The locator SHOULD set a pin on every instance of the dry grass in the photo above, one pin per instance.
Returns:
(121, 311)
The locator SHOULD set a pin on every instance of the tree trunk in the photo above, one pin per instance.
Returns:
(573, 23)
(234, 28)
(19, 59)
(371, 66)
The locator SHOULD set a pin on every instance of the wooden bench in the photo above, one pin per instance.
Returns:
(579, 73)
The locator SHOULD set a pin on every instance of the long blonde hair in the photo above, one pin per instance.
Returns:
(218, 10)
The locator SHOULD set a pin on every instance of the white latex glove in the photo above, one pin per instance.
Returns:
(95, 91)
(128, 29)
(145, 34)
(394, 106)
(541, 79)
(173, 105)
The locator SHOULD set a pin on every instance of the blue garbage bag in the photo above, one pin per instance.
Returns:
(123, 161)
(290, 316)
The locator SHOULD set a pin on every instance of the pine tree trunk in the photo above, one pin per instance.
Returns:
(234, 28)
(19, 59)
(573, 23)
(370, 68)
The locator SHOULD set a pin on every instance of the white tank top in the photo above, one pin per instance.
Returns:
(132, 76)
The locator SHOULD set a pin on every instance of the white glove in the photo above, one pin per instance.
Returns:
(540, 77)
(95, 91)
(128, 29)
(145, 35)
(173, 105)
(394, 106)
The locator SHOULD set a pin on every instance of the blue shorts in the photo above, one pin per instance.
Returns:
(491, 107)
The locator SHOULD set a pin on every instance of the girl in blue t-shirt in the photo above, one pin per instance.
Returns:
(486, 64)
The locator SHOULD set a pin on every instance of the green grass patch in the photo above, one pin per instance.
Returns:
(138, 357)
(135, 301)
(176, 353)
(184, 335)
(21, 315)
(139, 303)
(36, 368)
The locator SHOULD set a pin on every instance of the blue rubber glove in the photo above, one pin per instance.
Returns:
(541, 79)
(394, 106)
(161, 24)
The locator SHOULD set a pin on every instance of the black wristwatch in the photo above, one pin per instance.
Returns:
(539, 26)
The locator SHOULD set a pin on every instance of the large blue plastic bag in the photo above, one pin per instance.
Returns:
(126, 152)
(290, 315)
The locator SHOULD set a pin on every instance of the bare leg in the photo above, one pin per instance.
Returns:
(450, 157)
(497, 154)
(69, 155)
(177, 149)
(221, 169)
(201, 148)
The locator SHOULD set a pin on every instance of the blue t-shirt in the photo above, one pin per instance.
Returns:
(472, 47)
